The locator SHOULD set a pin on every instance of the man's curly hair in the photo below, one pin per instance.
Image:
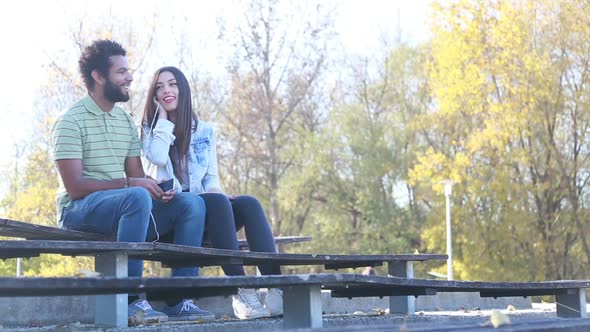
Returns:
(97, 57)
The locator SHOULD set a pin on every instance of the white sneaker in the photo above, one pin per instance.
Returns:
(274, 302)
(247, 305)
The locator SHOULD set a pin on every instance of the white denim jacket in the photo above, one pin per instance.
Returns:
(202, 158)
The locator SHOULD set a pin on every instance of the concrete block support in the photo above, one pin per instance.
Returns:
(111, 310)
(401, 304)
(302, 306)
(571, 304)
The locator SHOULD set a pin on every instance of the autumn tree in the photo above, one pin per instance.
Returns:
(510, 127)
(279, 57)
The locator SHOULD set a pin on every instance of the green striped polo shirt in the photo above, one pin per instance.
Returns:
(102, 140)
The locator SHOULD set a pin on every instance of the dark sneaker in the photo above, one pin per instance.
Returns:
(187, 310)
(148, 314)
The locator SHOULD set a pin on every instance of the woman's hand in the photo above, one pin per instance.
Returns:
(168, 196)
(160, 111)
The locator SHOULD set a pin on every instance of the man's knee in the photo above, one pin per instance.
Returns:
(140, 198)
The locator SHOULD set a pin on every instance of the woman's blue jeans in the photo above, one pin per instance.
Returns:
(126, 213)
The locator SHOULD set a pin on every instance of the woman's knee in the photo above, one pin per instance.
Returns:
(247, 201)
(215, 200)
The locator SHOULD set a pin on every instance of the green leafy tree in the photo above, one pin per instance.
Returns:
(362, 155)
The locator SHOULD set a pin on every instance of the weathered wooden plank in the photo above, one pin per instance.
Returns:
(408, 286)
(178, 256)
(351, 291)
(184, 254)
(31, 248)
(13, 228)
(24, 230)
(162, 286)
(279, 240)
(351, 285)
(337, 282)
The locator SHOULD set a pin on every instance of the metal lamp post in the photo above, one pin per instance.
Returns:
(448, 191)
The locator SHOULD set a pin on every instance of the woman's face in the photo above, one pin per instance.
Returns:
(167, 91)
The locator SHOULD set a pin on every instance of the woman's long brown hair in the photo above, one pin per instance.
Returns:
(183, 128)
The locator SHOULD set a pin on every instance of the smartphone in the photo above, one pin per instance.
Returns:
(166, 185)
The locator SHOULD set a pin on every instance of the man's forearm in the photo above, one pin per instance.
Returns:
(84, 186)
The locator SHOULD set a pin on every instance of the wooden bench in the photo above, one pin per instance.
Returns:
(301, 293)
(111, 261)
(19, 229)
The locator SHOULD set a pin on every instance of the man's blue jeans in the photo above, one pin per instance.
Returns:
(126, 213)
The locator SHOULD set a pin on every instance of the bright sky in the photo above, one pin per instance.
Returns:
(31, 31)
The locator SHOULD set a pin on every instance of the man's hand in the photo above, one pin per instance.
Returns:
(150, 185)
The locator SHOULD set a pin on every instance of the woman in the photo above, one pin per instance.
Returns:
(178, 146)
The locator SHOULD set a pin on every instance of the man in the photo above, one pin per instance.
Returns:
(104, 190)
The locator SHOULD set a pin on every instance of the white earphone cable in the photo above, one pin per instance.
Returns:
(145, 175)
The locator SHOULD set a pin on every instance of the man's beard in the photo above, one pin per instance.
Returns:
(113, 93)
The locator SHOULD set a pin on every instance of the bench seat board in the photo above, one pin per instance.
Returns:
(180, 256)
(13, 228)
(158, 287)
(391, 285)
(33, 248)
(340, 284)
(185, 254)
(19, 229)
(304, 289)
(570, 294)
(279, 240)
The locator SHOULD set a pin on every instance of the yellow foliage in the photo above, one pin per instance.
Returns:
(35, 205)
(509, 107)
(61, 266)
